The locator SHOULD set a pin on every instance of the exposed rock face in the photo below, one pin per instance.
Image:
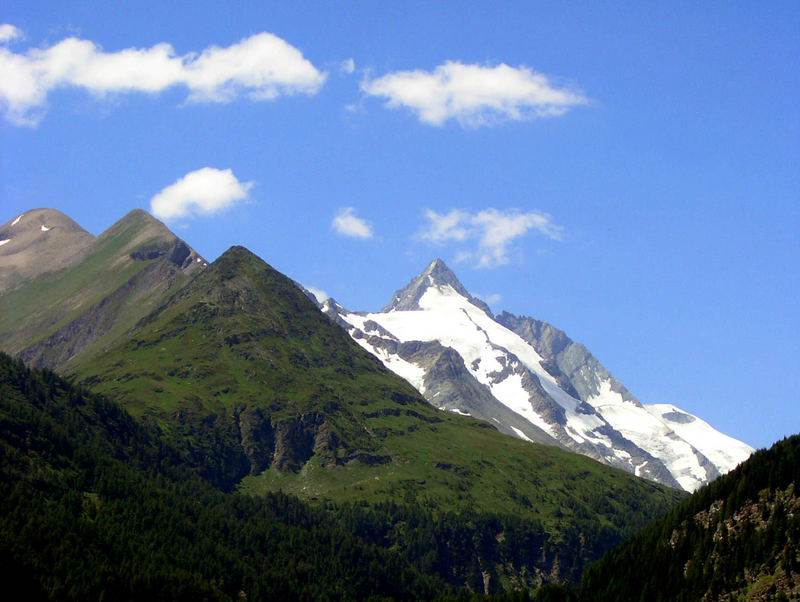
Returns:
(295, 440)
(436, 274)
(577, 371)
(258, 438)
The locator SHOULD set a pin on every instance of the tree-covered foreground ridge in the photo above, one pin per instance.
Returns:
(736, 539)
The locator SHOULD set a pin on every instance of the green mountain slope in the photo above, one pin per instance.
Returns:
(94, 505)
(265, 393)
(60, 317)
(735, 539)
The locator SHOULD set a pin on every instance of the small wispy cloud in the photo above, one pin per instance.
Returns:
(490, 299)
(9, 33)
(346, 223)
(201, 192)
(260, 67)
(484, 237)
(320, 294)
(474, 95)
(347, 66)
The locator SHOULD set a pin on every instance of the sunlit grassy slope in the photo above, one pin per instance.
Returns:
(104, 283)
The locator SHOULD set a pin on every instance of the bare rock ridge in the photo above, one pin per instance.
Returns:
(436, 274)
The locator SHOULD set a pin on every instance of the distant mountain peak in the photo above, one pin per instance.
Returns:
(37, 241)
(141, 224)
(39, 220)
(527, 378)
(436, 274)
(440, 275)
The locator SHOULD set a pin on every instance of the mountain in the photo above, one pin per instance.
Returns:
(529, 379)
(735, 539)
(256, 391)
(36, 242)
(60, 311)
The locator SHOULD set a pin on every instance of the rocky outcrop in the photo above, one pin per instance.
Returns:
(436, 274)
(575, 369)
(448, 385)
(287, 444)
(258, 438)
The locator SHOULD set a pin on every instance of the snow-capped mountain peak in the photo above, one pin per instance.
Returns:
(529, 379)
(437, 276)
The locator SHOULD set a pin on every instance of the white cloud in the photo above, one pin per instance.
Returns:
(346, 223)
(261, 67)
(8, 33)
(347, 66)
(491, 299)
(201, 192)
(320, 295)
(475, 95)
(488, 233)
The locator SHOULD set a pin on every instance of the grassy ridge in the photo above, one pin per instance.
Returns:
(36, 310)
(60, 318)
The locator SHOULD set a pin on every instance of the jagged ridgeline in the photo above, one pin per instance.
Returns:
(257, 391)
(736, 539)
(241, 356)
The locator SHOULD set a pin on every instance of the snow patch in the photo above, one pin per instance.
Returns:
(520, 434)
(45, 228)
(648, 431)
(2, 242)
(14, 223)
(724, 451)
(459, 412)
(411, 372)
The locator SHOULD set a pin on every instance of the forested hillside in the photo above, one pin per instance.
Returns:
(736, 539)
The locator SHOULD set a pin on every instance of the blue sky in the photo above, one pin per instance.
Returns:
(629, 173)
